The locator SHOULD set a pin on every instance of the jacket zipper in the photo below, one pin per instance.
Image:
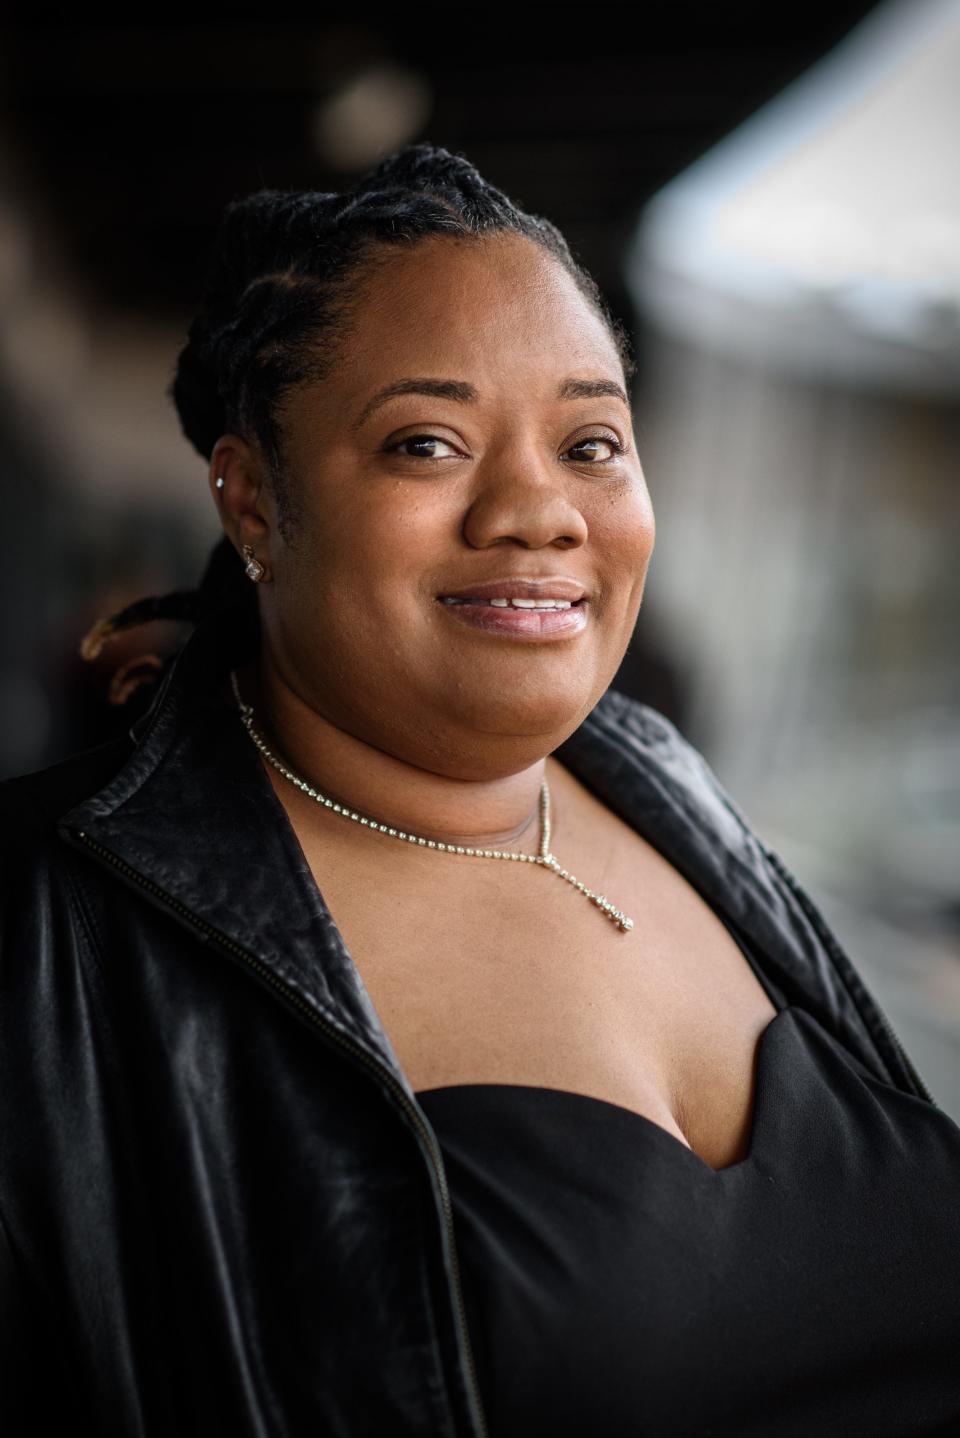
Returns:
(291, 997)
(904, 1056)
(825, 938)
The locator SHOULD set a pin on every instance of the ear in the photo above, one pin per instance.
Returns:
(237, 479)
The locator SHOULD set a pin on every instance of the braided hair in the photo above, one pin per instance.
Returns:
(284, 274)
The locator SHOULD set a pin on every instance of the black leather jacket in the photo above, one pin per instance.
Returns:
(223, 1210)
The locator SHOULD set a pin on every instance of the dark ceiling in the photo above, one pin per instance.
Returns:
(128, 139)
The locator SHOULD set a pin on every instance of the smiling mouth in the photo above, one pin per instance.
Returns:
(525, 621)
(517, 603)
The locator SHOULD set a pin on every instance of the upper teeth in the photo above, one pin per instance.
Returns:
(517, 603)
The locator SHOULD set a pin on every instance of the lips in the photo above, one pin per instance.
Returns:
(542, 588)
(508, 614)
(515, 602)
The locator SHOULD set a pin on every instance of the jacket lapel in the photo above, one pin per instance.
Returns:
(194, 815)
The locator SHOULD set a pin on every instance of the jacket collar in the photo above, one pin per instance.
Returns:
(192, 814)
(192, 817)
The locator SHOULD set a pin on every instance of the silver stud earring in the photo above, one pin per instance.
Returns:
(219, 481)
(254, 569)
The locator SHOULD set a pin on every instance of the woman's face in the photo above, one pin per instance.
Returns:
(473, 433)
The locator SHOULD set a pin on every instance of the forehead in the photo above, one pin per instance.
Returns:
(475, 305)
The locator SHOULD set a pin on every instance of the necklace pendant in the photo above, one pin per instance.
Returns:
(623, 921)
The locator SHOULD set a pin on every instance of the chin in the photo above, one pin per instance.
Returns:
(546, 714)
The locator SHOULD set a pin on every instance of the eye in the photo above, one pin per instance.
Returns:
(422, 446)
(593, 446)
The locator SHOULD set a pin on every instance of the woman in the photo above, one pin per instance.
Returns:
(402, 1032)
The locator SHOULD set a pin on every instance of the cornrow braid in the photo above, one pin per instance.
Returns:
(286, 270)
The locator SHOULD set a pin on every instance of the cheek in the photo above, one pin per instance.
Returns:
(625, 533)
(334, 541)
(644, 534)
(357, 562)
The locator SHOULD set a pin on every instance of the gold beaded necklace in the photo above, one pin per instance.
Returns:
(543, 858)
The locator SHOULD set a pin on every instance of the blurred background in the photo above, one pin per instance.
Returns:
(770, 200)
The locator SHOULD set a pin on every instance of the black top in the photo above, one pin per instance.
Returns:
(618, 1285)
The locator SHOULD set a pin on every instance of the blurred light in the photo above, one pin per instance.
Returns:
(380, 109)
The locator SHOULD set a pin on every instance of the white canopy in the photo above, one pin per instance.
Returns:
(824, 234)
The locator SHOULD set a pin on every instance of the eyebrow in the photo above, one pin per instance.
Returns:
(463, 393)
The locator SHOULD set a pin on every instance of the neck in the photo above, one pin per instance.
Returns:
(497, 813)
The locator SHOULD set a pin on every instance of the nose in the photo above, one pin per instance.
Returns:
(519, 498)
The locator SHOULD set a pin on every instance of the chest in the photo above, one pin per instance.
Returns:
(486, 971)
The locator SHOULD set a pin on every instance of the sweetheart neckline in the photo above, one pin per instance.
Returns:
(757, 1122)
